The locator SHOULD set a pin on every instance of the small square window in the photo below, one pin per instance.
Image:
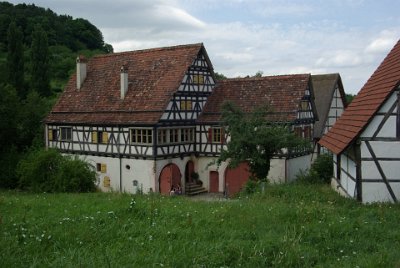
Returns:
(186, 105)
(66, 133)
(198, 79)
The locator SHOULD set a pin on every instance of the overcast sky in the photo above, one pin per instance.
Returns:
(350, 37)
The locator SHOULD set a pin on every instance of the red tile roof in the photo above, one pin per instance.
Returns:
(283, 93)
(153, 75)
(364, 106)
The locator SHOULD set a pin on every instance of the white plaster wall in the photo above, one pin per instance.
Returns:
(378, 192)
(345, 180)
(277, 172)
(389, 128)
(112, 171)
(140, 170)
(294, 165)
(382, 149)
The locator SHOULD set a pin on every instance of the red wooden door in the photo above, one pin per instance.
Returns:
(188, 171)
(214, 182)
(236, 178)
(169, 176)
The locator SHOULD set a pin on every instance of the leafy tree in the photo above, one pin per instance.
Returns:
(219, 76)
(15, 59)
(349, 98)
(255, 139)
(33, 111)
(9, 103)
(258, 74)
(40, 79)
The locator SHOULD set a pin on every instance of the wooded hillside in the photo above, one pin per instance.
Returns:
(67, 37)
(38, 49)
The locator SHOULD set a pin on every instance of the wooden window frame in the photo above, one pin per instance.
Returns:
(162, 136)
(304, 105)
(100, 137)
(198, 79)
(174, 135)
(298, 131)
(52, 134)
(186, 105)
(216, 135)
(66, 133)
(141, 136)
(187, 135)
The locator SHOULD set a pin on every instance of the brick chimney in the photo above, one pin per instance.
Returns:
(80, 71)
(124, 80)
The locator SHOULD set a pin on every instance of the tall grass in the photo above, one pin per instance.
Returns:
(287, 226)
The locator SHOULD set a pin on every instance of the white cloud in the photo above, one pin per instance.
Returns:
(383, 42)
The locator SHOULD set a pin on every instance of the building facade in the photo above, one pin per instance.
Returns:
(142, 119)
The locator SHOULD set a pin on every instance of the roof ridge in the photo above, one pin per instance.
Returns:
(146, 50)
(263, 77)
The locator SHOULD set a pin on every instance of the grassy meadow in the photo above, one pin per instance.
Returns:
(291, 225)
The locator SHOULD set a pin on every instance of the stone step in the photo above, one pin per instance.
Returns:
(194, 188)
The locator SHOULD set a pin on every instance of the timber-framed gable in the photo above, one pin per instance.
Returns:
(365, 140)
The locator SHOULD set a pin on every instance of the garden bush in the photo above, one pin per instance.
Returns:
(48, 171)
(321, 170)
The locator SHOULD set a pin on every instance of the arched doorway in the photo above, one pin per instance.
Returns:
(188, 171)
(214, 182)
(236, 178)
(169, 176)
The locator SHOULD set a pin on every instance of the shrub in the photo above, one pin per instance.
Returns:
(75, 175)
(323, 166)
(48, 171)
(320, 171)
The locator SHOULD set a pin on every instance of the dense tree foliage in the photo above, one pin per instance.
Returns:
(40, 80)
(254, 139)
(37, 55)
(15, 59)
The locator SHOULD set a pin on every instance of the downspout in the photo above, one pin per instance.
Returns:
(357, 153)
(120, 159)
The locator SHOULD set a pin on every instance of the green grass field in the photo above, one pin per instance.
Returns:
(287, 226)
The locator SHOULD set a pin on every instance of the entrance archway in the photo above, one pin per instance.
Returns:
(169, 176)
(188, 171)
(236, 178)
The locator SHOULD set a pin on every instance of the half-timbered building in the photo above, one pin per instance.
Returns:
(132, 115)
(291, 100)
(365, 140)
(149, 120)
(330, 101)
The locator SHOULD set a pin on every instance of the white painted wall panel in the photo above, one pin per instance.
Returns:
(294, 165)
(391, 170)
(378, 192)
(382, 149)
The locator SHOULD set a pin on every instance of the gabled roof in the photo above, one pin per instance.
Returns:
(324, 86)
(153, 74)
(283, 93)
(368, 101)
